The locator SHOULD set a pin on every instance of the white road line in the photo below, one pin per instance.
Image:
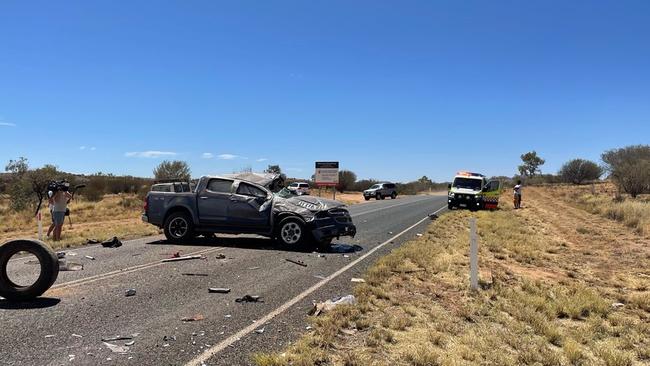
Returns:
(205, 356)
(102, 276)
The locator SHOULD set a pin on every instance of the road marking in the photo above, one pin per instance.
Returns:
(205, 356)
(385, 207)
(103, 276)
(107, 275)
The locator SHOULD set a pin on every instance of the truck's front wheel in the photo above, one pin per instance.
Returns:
(179, 227)
(291, 232)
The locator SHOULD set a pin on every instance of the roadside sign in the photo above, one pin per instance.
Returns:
(327, 173)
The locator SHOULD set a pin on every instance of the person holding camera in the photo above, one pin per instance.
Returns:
(60, 204)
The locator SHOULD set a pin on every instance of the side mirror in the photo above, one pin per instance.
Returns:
(449, 186)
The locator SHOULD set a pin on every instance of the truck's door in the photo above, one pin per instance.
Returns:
(213, 202)
(491, 194)
(250, 207)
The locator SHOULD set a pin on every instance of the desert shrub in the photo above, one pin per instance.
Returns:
(629, 168)
(577, 171)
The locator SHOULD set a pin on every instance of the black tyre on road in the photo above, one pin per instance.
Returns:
(367, 198)
(179, 227)
(378, 196)
(393, 195)
(291, 232)
(47, 259)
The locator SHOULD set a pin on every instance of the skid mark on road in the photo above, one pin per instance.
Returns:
(207, 354)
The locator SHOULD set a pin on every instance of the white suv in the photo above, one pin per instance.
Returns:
(299, 188)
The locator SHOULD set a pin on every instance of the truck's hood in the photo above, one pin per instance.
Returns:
(306, 206)
(464, 191)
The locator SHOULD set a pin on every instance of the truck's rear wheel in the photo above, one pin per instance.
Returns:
(48, 262)
(179, 227)
(291, 232)
(378, 196)
(393, 195)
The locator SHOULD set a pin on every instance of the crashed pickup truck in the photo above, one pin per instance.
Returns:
(246, 204)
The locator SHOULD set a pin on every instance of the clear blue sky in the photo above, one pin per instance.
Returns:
(393, 90)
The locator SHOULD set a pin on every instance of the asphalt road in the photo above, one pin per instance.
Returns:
(67, 325)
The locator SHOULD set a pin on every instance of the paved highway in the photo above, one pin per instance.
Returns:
(67, 325)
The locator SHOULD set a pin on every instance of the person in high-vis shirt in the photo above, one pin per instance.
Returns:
(517, 195)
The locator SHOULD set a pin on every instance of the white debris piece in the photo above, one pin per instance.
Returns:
(117, 349)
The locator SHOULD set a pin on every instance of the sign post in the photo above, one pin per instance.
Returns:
(327, 174)
(473, 255)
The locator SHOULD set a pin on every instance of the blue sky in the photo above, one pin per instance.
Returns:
(392, 90)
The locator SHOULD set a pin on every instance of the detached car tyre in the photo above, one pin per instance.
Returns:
(291, 232)
(47, 259)
(179, 227)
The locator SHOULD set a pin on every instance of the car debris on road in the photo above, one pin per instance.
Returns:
(185, 258)
(90, 257)
(218, 290)
(112, 243)
(130, 292)
(357, 280)
(117, 349)
(194, 318)
(117, 338)
(220, 256)
(195, 274)
(300, 263)
(249, 298)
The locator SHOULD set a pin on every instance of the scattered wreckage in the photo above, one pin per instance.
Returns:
(248, 203)
(47, 259)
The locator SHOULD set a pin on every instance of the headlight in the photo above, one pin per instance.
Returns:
(451, 194)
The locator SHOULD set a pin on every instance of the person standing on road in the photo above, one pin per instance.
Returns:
(517, 194)
(60, 199)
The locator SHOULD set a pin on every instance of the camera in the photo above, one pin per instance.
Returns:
(60, 185)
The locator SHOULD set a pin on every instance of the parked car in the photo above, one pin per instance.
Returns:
(299, 188)
(238, 206)
(380, 191)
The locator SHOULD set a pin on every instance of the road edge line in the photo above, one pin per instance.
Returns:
(208, 353)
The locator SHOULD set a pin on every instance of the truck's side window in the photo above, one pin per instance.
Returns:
(250, 190)
(219, 185)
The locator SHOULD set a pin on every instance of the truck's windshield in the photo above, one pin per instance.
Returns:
(469, 183)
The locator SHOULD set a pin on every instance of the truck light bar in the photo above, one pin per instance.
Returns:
(469, 174)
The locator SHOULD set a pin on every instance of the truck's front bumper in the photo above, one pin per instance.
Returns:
(338, 223)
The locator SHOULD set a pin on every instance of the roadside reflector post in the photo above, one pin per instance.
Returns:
(473, 255)
(40, 225)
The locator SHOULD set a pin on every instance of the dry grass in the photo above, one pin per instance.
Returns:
(547, 296)
(114, 215)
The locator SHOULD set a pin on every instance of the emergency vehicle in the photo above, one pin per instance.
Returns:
(473, 191)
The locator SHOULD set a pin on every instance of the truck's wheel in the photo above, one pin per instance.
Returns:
(367, 198)
(47, 259)
(179, 227)
(291, 232)
(393, 195)
(378, 196)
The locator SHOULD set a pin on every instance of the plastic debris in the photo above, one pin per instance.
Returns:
(220, 256)
(113, 243)
(60, 255)
(433, 216)
(49, 336)
(90, 257)
(66, 266)
(323, 307)
(296, 262)
(130, 292)
(176, 255)
(187, 257)
(357, 280)
(249, 298)
(169, 338)
(259, 331)
(319, 277)
(344, 248)
(129, 343)
(92, 241)
(253, 268)
(195, 274)
(77, 335)
(227, 316)
(617, 305)
(219, 290)
(418, 235)
(115, 348)
(194, 318)
(308, 328)
(390, 233)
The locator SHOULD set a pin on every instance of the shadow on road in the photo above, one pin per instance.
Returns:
(258, 243)
(39, 303)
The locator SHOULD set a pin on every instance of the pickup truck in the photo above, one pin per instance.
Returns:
(230, 204)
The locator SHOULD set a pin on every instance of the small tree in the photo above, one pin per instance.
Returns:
(172, 170)
(346, 180)
(531, 164)
(577, 171)
(273, 169)
(19, 188)
(629, 168)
